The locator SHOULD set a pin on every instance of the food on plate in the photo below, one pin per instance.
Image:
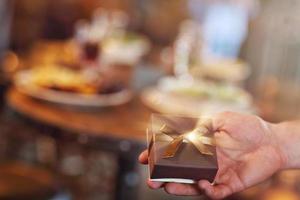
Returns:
(55, 77)
(222, 70)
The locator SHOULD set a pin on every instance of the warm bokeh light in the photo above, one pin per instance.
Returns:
(81, 79)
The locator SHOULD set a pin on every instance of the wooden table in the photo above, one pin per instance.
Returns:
(120, 129)
(123, 122)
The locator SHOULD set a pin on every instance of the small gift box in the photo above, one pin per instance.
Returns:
(181, 149)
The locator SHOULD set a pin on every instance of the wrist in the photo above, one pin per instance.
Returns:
(286, 142)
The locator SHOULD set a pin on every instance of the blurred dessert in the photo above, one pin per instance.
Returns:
(204, 90)
(195, 97)
(221, 70)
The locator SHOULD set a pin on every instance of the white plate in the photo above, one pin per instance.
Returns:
(171, 104)
(73, 99)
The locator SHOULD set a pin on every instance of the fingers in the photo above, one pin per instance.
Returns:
(182, 189)
(219, 120)
(143, 157)
(215, 122)
(205, 123)
(176, 188)
(215, 191)
(212, 191)
(154, 185)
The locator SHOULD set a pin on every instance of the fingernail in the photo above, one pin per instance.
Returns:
(154, 185)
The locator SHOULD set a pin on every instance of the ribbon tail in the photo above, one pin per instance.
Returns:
(173, 147)
(163, 137)
(201, 147)
(207, 140)
(168, 131)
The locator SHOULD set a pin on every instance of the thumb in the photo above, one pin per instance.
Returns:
(214, 191)
(225, 141)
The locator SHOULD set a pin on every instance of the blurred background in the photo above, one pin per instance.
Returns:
(80, 79)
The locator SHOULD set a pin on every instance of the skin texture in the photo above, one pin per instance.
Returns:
(248, 152)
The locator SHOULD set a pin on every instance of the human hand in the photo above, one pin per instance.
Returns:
(247, 153)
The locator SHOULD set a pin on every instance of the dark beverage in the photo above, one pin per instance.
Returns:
(91, 51)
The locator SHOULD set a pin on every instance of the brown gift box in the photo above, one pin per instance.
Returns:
(175, 154)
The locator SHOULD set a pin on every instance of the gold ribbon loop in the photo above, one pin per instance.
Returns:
(173, 147)
(196, 137)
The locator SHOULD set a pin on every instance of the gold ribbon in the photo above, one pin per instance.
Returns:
(197, 137)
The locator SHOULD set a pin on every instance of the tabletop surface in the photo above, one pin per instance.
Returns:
(122, 122)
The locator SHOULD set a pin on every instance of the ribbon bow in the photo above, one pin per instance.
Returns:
(196, 137)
